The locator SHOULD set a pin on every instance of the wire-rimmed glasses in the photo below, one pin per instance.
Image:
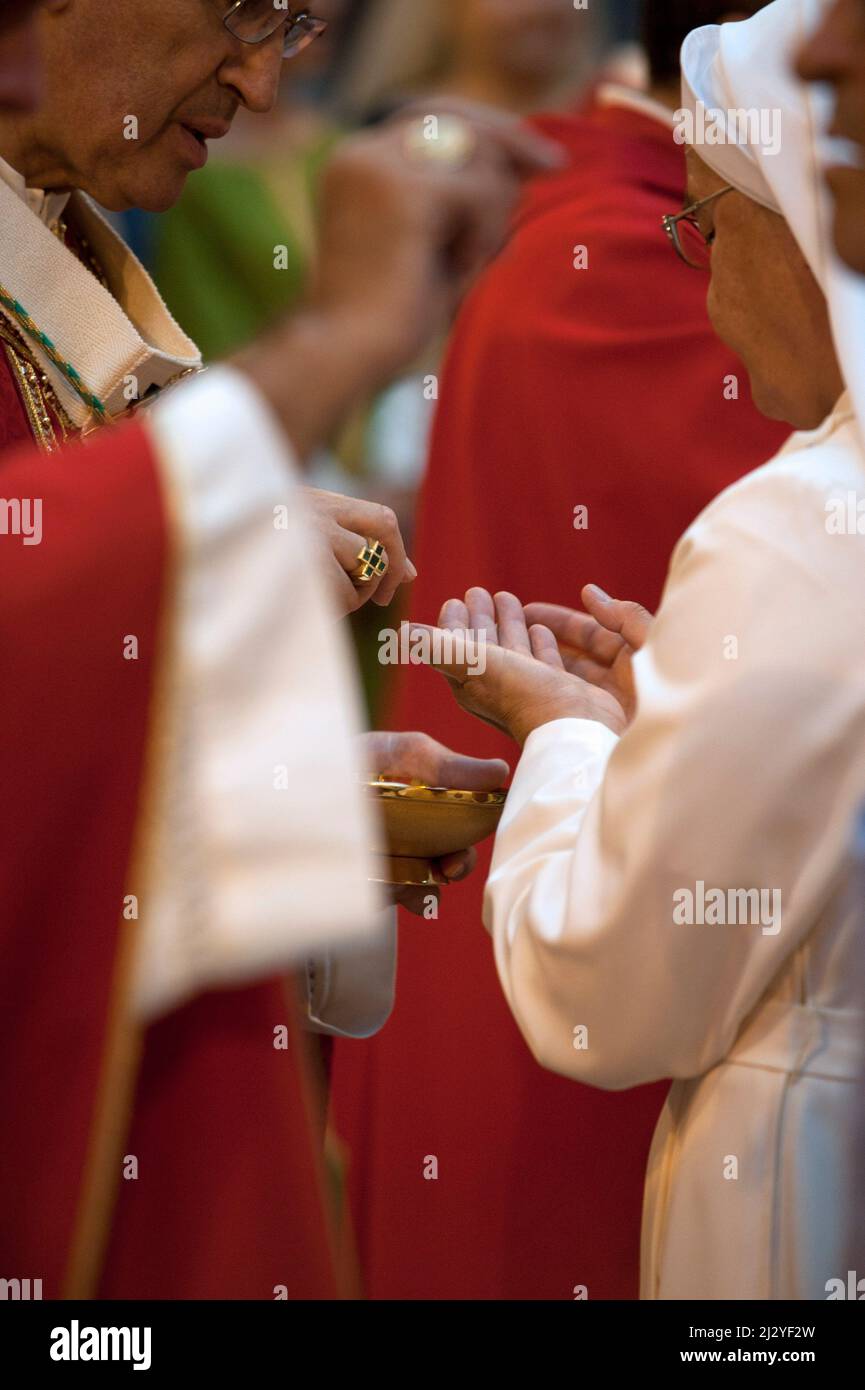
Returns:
(691, 243)
(254, 21)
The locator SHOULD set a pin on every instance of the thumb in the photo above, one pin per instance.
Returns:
(630, 620)
(467, 774)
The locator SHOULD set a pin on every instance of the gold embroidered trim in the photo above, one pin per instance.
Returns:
(37, 416)
(41, 403)
(37, 395)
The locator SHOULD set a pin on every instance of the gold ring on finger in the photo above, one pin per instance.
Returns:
(372, 563)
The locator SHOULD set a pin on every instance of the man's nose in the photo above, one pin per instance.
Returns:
(254, 71)
(20, 68)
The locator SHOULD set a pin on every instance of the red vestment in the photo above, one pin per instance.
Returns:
(229, 1199)
(601, 388)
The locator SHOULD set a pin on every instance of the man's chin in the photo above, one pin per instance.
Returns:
(777, 403)
(157, 195)
(164, 199)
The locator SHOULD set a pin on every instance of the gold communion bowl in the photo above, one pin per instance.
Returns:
(421, 824)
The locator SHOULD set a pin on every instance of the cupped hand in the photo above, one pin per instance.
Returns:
(512, 675)
(599, 644)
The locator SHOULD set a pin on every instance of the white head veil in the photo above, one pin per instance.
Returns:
(763, 131)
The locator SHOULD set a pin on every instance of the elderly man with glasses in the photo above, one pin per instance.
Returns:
(177, 745)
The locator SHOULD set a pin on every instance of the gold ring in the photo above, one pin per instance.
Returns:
(372, 563)
(446, 140)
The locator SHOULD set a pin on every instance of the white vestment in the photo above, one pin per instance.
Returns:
(261, 851)
(743, 770)
(676, 903)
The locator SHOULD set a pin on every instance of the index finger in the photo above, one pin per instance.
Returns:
(435, 647)
(454, 615)
(384, 527)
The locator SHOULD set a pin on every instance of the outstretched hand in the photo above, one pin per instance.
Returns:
(520, 681)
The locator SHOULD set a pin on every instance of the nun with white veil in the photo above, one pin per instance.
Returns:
(668, 895)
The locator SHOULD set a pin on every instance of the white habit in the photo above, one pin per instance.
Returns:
(681, 893)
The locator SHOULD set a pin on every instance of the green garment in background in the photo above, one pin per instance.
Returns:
(214, 262)
(216, 251)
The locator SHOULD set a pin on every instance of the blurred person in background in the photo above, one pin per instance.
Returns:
(587, 413)
(835, 54)
(519, 55)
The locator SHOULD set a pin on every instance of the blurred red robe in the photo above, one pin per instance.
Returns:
(600, 388)
(230, 1200)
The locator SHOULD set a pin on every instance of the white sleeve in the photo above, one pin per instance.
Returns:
(350, 991)
(742, 771)
(260, 853)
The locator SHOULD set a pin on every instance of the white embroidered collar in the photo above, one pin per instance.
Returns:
(48, 207)
(120, 341)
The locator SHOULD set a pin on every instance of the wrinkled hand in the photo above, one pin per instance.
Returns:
(343, 524)
(416, 757)
(598, 645)
(524, 683)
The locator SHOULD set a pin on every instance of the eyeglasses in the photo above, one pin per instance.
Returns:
(691, 243)
(253, 21)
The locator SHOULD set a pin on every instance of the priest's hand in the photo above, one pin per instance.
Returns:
(412, 211)
(515, 678)
(598, 645)
(344, 525)
(409, 213)
(415, 757)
